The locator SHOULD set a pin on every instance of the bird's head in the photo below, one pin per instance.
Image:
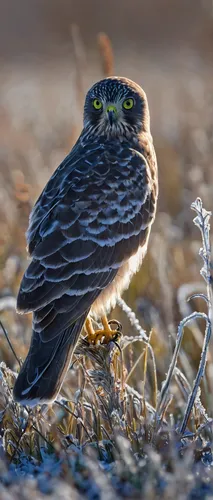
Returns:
(116, 107)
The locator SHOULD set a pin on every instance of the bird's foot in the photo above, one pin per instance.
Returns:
(105, 335)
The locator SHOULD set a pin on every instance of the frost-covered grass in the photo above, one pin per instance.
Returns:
(107, 439)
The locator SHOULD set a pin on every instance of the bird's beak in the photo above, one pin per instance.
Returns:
(111, 114)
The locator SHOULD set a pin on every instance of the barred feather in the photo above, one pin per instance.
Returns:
(87, 235)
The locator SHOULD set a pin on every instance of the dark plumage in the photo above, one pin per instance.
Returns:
(88, 232)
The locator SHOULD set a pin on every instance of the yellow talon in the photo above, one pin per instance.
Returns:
(105, 335)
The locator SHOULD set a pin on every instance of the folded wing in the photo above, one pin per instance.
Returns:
(92, 216)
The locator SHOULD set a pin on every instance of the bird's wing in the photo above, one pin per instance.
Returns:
(89, 219)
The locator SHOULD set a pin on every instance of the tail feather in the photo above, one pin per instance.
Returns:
(46, 365)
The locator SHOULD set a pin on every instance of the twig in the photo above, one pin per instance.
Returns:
(145, 371)
(183, 383)
(185, 293)
(79, 419)
(166, 383)
(8, 340)
(135, 364)
(199, 376)
(132, 319)
(106, 52)
(202, 221)
(142, 336)
(155, 390)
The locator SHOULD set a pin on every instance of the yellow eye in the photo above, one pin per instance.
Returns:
(128, 103)
(97, 104)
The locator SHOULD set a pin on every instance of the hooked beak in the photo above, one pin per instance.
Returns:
(111, 114)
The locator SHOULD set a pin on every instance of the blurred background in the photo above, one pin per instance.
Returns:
(50, 53)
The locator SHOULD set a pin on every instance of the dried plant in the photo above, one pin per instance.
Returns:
(109, 436)
(106, 53)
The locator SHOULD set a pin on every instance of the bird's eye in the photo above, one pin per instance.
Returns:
(128, 103)
(97, 104)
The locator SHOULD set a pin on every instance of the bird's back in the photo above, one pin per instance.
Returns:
(87, 235)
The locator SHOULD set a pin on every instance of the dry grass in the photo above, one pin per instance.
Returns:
(117, 432)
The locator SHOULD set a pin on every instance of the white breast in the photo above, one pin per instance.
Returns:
(108, 297)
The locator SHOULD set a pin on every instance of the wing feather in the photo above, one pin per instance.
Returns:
(92, 216)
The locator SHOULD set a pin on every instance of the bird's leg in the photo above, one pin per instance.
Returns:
(105, 335)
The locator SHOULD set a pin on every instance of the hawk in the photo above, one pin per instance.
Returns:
(88, 233)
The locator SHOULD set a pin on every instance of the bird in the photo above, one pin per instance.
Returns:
(88, 234)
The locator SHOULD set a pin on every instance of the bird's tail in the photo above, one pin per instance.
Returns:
(46, 365)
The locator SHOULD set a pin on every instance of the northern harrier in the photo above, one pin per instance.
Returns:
(88, 233)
